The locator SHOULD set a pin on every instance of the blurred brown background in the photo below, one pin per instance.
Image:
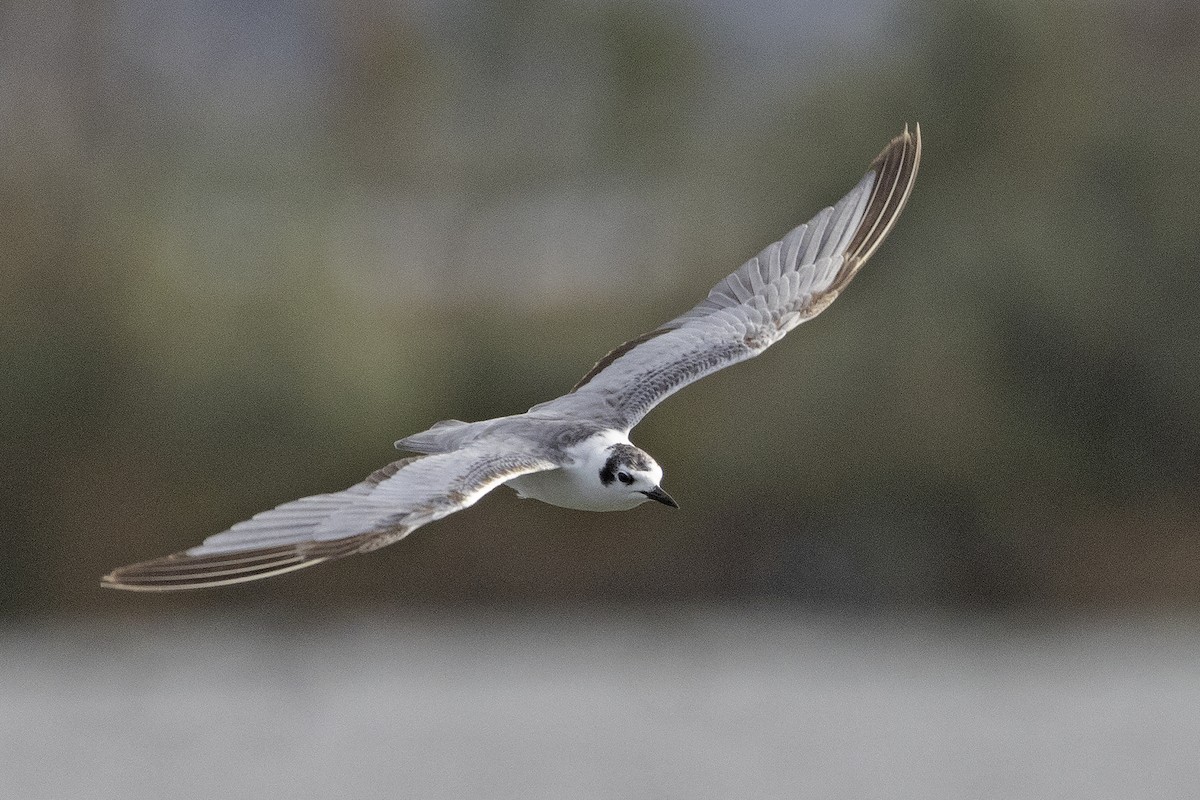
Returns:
(244, 249)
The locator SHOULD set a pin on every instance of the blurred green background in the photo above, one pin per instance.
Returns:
(244, 249)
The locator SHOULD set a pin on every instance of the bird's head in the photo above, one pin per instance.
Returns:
(632, 474)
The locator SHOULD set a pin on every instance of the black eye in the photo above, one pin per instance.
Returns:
(625, 478)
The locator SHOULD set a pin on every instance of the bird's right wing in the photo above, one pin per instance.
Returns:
(788, 283)
(391, 503)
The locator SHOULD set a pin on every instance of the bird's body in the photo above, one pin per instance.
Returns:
(607, 455)
(573, 451)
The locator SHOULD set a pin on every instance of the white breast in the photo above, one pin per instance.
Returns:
(569, 487)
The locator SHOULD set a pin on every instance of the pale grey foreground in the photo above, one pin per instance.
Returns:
(627, 704)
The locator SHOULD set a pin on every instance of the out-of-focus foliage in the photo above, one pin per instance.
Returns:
(243, 251)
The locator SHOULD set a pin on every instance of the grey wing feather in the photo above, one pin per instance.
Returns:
(789, 282)
(387, 506)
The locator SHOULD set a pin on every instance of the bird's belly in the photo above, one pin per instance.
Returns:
(560, 487)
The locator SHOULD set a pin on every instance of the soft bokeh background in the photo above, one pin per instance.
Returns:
(244, 247)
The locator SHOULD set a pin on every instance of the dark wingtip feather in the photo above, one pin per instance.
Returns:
(183, 571)
(895, 170)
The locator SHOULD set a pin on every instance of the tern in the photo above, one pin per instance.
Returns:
(573, 451)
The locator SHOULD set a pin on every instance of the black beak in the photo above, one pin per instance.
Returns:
(658, 494)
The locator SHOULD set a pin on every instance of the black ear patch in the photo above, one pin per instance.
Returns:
(608, 473)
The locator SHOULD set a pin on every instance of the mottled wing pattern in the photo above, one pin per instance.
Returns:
(390, 504)
(789, 282)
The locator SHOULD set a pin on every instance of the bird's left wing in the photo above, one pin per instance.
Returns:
(789, 282)
(390, 504)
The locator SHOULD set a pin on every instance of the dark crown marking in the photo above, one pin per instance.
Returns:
(623, 455)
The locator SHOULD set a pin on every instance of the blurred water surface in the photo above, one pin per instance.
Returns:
(683, 702)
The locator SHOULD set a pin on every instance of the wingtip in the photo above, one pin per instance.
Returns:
(895, 169)
(113, 581)
(159, 575)
(108, 582)
(907, 140)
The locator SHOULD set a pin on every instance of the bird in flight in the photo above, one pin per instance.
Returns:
(573, 451)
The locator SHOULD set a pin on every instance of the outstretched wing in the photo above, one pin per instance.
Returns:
(789, 282)
(390, 504)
